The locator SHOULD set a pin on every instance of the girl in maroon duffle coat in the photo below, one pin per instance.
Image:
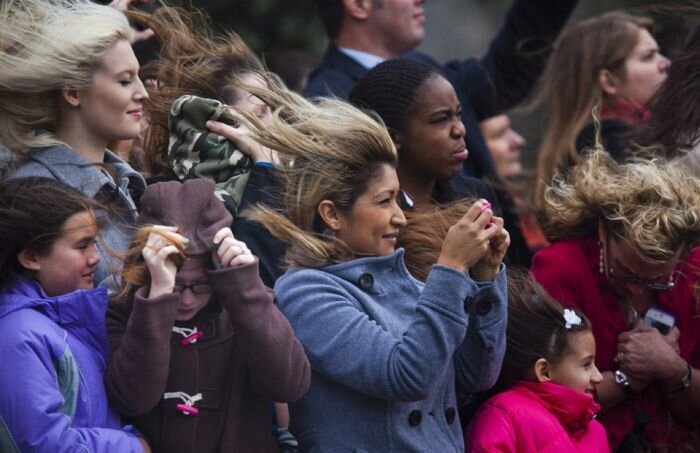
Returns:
(199, 349)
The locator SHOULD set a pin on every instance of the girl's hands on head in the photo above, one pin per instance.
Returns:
(157, 254)
(468, 240)
(241, 137)
(230, 251)
(488, 266)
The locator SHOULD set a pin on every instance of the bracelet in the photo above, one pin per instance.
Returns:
(622, 380)
(685, 381)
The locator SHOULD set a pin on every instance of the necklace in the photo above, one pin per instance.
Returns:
(632, 315)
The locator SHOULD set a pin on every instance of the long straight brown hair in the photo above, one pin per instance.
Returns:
(570, 90)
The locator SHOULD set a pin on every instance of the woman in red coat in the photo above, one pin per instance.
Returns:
(623, 252)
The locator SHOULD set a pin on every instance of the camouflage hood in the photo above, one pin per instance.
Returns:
(195, 152)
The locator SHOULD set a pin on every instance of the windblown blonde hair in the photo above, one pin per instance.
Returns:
(569, 88)
(653, 204)
(329, 151)
(191, 61)
(46, 45)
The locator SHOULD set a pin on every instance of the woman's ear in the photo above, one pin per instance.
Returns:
(329, 214)
(542, 370)
(396, 137)
(29, 259)
(70, 95)
(608, 82)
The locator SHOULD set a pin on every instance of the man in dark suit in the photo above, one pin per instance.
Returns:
(363, 33)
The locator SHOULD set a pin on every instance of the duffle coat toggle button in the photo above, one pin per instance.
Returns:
(188, 402)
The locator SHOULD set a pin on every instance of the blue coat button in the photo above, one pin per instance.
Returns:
(450, 415)
(366, 281)
(483, 307)
(414, 418)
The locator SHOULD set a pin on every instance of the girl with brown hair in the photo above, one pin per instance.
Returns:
(199, 348)
(54, 348)
(548, 381)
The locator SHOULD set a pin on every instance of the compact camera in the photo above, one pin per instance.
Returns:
(660, 320)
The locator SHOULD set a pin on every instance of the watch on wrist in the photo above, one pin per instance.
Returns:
(622, 381)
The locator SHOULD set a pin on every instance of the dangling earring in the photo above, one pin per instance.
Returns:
(601, 267)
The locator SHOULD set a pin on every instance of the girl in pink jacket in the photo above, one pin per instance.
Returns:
(550, 377)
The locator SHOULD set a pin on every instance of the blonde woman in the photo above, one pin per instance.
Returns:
(68, 87)
(386, 351)
(623, 251)
(610, 61)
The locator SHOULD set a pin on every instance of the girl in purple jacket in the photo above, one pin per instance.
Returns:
(54, 344)
(550, 375)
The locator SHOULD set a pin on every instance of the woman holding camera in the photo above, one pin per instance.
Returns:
(623, 251)
(386, 350)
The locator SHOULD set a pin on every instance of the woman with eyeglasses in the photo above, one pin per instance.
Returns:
(623, 251)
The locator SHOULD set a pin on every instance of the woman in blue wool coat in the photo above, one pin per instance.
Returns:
(386, 350)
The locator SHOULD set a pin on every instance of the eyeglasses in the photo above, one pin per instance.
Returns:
(661, 284)
(197, 288)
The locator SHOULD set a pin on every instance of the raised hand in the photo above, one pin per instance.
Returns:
(241, 137)
(488, 266)
(468, 240)
(123, 6)
(156, 253)
(230, 251)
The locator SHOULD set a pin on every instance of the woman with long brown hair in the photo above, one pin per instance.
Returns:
(611, 62)
(674, 129)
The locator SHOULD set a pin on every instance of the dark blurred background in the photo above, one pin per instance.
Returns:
(453, 26)
(454, 29)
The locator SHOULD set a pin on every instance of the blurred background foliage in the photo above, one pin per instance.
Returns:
(268, 25)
